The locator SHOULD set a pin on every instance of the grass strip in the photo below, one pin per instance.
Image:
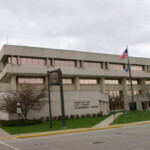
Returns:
(132, 116)
(57, 125)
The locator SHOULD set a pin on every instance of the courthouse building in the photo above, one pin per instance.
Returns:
(92, 82)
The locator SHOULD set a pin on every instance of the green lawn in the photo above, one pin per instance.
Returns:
(57, 125)
(133, 116)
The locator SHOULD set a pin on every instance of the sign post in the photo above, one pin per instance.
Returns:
(55, 78)
(18, 112)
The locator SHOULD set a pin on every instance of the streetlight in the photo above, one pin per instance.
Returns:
(113, 100)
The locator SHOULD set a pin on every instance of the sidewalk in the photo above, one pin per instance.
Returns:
(107, 121)
(4, 135)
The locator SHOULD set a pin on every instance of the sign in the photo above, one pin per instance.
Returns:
(54, 77)
(82, 104)
(18, 110)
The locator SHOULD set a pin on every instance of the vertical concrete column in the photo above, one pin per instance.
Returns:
(125, 94)
(82, 64)
(125, 66)
(107, 64)
(103, 65)
(11, 59)
(77, 83)
(78, 64)
(148, 68)
(102, 84)
(47, 62)
(13, 82)
(53, 62)
(19, 60)
(46, 80)
(145, 68)
(143, 83)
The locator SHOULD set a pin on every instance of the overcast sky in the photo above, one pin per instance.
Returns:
(103, 26)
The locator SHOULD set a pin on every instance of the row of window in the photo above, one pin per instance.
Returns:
(114, 94)
(40, 80)
(27, 61)
(111, 81)
(70, 63)
(134, 92)
(148, 82)
(119, 94)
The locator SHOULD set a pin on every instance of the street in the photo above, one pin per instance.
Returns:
(128, 138)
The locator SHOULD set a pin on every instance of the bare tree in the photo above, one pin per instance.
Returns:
(29, 97)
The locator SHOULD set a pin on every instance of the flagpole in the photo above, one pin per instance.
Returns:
(130, 78)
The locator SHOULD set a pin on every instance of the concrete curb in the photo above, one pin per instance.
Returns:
(7, 138)
(72, 131)
(142, 123)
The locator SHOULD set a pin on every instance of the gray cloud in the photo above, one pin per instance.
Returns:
(89, 25)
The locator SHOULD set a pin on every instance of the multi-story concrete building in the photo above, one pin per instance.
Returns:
(91, 80)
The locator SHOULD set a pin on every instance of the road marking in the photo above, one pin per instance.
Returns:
(9, 146)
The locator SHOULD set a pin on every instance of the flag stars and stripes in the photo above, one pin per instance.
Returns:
(124, 55)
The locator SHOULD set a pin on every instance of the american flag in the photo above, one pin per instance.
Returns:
(124, 55)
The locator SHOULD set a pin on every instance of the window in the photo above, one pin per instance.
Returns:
(88, 81)
(1, 93)
(137, 67)
(35, 61)
(148, 82)
(93, 65)
(14, 60)
(134, 92)
(116, 66)
(64, 63)
(32, 61)
(111, 81)
(31, 80)
(67, 81)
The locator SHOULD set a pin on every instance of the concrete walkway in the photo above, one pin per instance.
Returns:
(107, 121)
(4, 135)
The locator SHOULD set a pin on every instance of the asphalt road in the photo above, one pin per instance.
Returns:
(128, 138)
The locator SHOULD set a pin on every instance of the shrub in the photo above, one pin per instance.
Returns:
(66, 117)
(93, 115)
(88, 115)
(47, 118)
(42, 118)
(82, 116)
(59, 117)
(21, 122)
(77, 117)
(54, 118)
(72, 117)
(100, 114)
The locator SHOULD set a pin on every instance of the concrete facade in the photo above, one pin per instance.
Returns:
(87, 72)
